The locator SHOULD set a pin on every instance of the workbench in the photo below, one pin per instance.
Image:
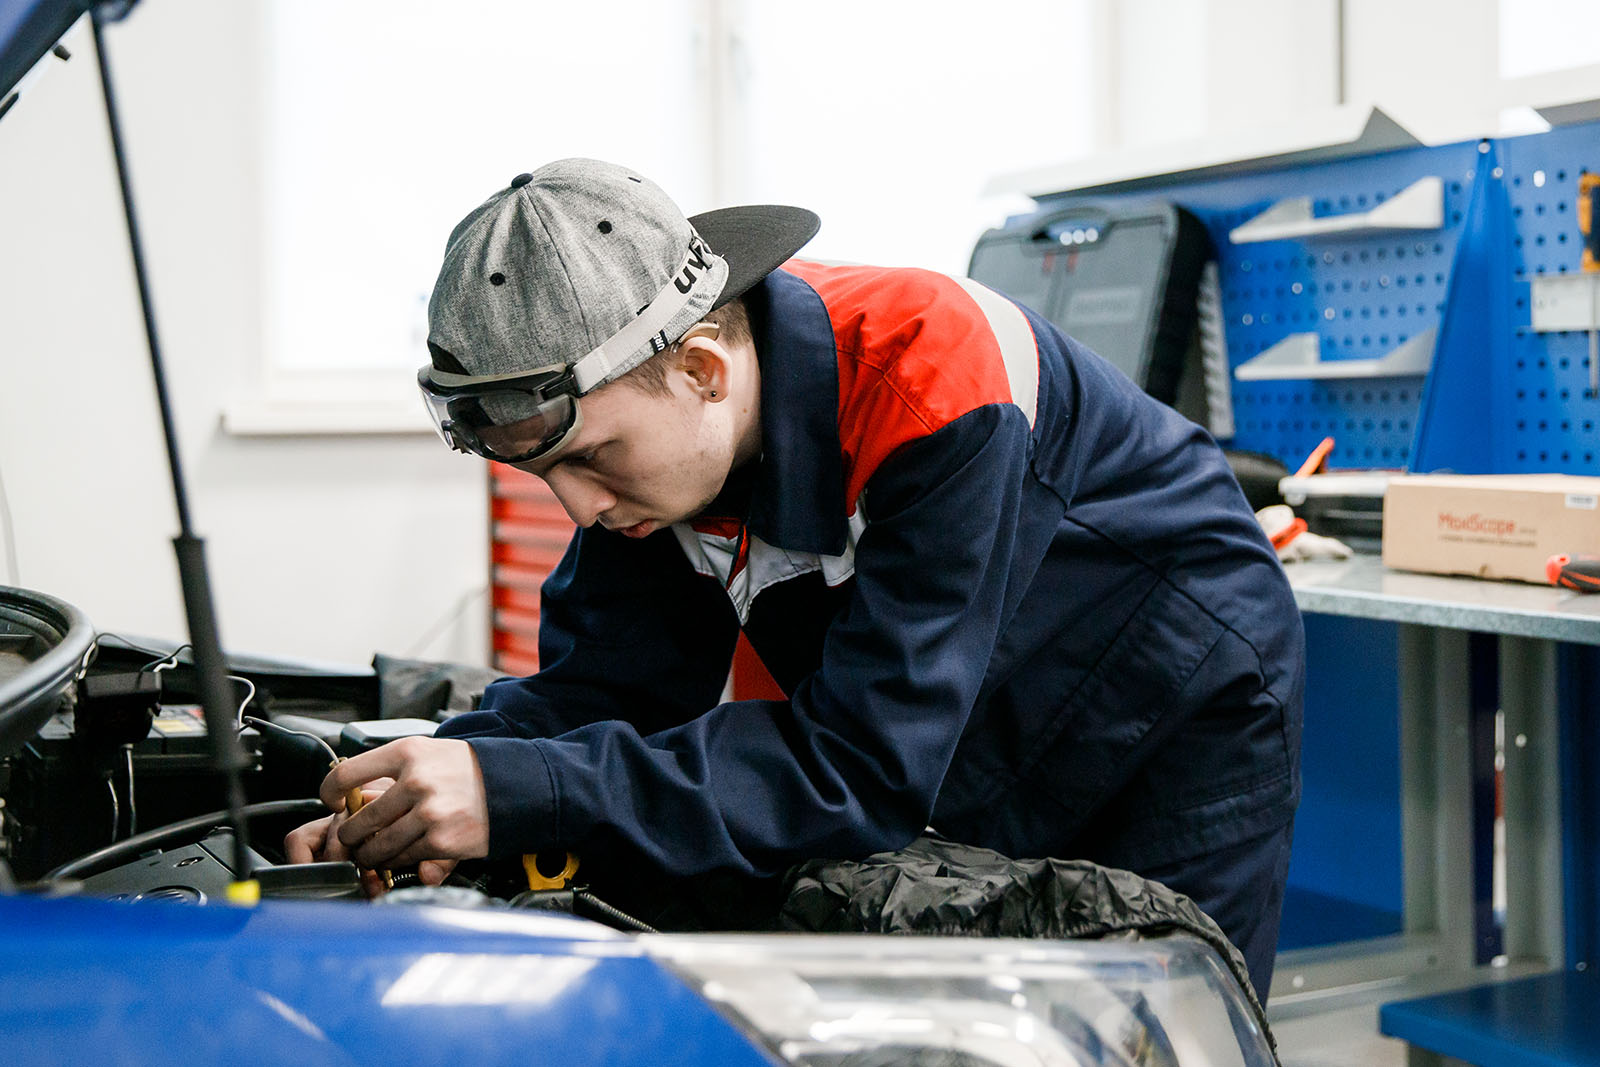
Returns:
(1469, 647)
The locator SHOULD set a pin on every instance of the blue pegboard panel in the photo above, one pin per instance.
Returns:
(1550, 421)
(1364, 295)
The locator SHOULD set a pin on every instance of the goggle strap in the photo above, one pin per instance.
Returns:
(596, 366)
(446, 380)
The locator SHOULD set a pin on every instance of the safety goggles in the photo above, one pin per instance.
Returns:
(512, 418)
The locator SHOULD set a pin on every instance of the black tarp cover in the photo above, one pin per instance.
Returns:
(934, 886)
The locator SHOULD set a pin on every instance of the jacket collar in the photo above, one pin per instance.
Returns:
(798, 500)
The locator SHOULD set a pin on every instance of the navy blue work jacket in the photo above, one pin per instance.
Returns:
(1009, 595)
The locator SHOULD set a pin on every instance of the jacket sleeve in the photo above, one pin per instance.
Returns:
(852, 763)
(627, 630)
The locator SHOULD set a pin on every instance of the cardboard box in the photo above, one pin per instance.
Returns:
(1489, 525)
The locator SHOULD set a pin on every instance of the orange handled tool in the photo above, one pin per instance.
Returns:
(354, 801)
(1575, 572)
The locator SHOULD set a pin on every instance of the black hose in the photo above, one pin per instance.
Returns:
(132, 847)
(592, 907)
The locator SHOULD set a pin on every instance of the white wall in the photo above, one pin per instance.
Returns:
(1185, 69)
(332, 547)
(328, 548)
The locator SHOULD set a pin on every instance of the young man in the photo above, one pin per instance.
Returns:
(1009, 595)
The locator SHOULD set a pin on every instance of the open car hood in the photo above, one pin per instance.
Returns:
(28, 29)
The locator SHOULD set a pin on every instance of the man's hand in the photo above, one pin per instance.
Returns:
(435, 810)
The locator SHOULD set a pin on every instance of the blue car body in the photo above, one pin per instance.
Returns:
(310, 983)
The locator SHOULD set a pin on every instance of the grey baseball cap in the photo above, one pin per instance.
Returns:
(590, 266)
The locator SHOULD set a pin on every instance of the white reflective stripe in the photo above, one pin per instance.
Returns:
(1017, 347)
(765, 565)
(595, 366)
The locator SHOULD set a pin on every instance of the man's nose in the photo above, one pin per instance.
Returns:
(583, 501)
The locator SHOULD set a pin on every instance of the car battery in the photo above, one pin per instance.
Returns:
(65, 796)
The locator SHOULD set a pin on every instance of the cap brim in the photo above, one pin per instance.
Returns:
(755, 240)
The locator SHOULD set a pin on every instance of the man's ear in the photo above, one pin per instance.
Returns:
(707, 366)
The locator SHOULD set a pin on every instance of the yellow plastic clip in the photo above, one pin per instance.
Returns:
(537, 880)
(246, 893)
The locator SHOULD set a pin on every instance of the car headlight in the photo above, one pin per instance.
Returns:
(855, 1001)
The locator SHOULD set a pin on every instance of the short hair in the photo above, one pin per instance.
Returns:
(733, 328)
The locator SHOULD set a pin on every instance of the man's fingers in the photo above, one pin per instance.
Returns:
(332, 847)
(386, 847)
(302, 844)
(385, 761)
(419, 852)
(378, 813)
(434, 872)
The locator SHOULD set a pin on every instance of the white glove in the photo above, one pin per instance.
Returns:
(1293, 541)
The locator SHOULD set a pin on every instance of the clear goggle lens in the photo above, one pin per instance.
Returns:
(507, 425)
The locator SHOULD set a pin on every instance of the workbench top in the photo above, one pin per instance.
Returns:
(1362, 587)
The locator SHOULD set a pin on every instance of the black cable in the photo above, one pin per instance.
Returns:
(131, 848)
(284, 731)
